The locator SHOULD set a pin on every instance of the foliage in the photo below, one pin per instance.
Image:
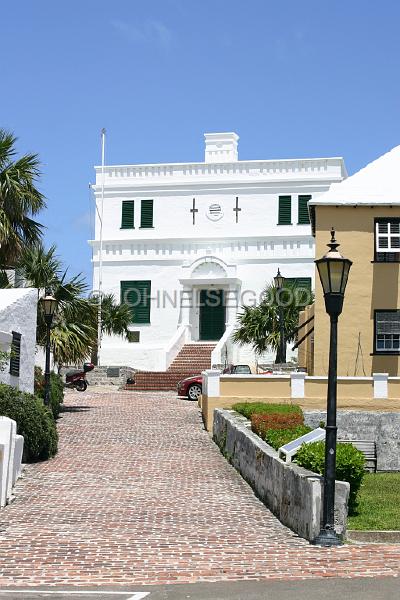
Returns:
(20, 200)
(247, 409)
(349, 465)
(279, 437)
(74, 328)
(379, 503)
(4, 281)
(4, 359)
(34, 421)
(277, 424)
(56, 390)
(259, 325)
(260, 424)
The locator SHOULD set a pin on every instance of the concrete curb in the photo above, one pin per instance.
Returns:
(378, 536)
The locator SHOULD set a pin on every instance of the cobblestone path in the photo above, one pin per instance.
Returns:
(139, 494)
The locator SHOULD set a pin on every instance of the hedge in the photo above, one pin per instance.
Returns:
(56, 390)
(34, 421)
(349, 465)
(279, 437)
(260, 424)
(247, 409)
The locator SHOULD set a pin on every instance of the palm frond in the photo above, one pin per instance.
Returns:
(20, 199)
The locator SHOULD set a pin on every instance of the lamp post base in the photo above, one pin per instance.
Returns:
(327, 538)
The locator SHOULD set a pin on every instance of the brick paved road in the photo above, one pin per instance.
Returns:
(139, 494)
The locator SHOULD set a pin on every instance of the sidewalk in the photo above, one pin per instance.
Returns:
(139, 494)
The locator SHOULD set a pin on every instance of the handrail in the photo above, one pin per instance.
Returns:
(175, 344)
(217, 352)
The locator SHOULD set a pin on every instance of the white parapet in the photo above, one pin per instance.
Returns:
(8, 431)
(297, 385)
(18, 453)
(380, 385)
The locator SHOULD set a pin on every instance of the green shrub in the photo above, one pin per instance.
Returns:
(34, 421)
(279, 437)
(260, 424)
(56, 390)
(247, 409)
(349, 465)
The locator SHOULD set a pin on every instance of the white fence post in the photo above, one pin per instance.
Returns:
(211, 383)
(380, 385)
(297, 385)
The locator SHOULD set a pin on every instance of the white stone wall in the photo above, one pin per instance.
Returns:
(18, 312)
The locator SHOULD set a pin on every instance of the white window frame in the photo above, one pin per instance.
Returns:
(388, 236)
(388, 337)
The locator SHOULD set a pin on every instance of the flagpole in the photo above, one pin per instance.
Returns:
(100, 286)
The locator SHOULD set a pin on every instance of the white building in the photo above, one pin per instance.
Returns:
(175, 232)
(18, 315)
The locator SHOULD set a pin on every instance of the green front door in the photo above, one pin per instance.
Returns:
(212, 314)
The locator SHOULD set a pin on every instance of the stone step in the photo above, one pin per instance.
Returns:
(157, 380)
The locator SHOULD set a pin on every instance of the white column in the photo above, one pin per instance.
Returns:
(297, 384)
(211, 383)
(186, 302)
(380, 385)
(232, 305)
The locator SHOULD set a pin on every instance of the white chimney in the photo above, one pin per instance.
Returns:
(221, 147)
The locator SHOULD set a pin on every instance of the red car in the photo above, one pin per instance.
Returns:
(192, 387)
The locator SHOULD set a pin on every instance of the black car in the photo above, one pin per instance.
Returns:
(237, 370)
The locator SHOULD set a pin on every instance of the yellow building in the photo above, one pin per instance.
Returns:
(365, 212)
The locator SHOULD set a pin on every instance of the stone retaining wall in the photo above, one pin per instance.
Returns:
(105, 375)
(292, 493)
(382, 427)
(110, 375)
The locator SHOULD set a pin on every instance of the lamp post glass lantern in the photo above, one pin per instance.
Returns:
(279, 281)
(49, 306)
(333, 270)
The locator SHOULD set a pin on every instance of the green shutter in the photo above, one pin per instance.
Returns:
(137, 294)
(285, 210)
(146, 219)
(304, 218)
(300, 282)
(15, 354)
(128, 214)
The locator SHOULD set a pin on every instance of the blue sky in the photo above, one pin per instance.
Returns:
(293, 79)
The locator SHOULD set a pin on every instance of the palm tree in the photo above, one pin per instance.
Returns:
(20, 200)
(115, 319)
(259, 325)
(74, 329)
(72, 333)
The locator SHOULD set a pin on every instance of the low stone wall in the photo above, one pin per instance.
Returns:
(292, 493)
(378, 393)
(110, 375)
(382, 427)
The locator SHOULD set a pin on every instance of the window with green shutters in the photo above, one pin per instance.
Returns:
(285, 210)
(137, 295)
(128, 214)
(304, 218)
(146, 219)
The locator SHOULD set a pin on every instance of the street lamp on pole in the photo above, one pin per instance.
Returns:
(279, 281)
(49, 305)
(333, 270)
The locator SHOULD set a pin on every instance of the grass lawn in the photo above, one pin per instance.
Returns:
(379, 503)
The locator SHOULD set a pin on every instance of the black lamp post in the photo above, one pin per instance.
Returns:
(333, 270)
(279, 281)
(49, 305)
